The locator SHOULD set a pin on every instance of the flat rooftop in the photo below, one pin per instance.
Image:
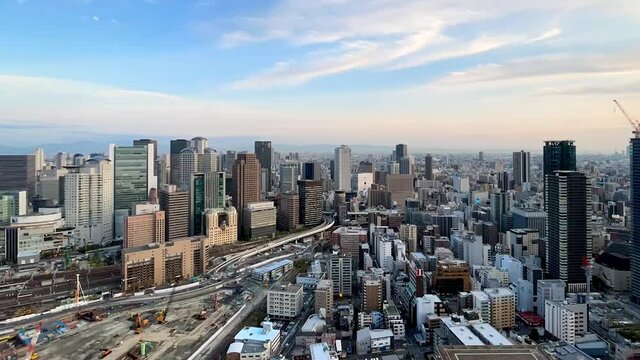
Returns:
(272, 266)
(487, 352)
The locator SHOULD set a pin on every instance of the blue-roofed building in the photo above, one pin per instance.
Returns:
(272, 270)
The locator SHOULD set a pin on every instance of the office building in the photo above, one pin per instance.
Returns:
(260, 220)
(188, 159)
(175, 204)
(12, 203)
(634, 154)
(144, 229)
(568, 232)
(284, 302)
(288, 216)
(324, 296)
(503, 308)
(504, 181)
(312, 171)
(221, 226)
(527, 218)
(197, 203)
(340, 273)
(521, 167)
(89, 201)
(142, 142)
(451, 277)
(371, 294)
(289, 173)
(409, 233)
(349, 239)
(342, 168)
(18, 172)
(199, 143)
(50, 185)
(428, 167)
(549, 289)
(255, 343)
(310, 193)
(35, 233)
(401, 152)
(39, 159)
(406, 165)
(523, 242)
(565, 320)
(499, 207)
(176, 147)
(133, 175)
(557, 155)
(163, 263)
(246, 183)
(264, 154)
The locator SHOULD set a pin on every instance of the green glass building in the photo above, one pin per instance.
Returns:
(133, 176)
(197, 202)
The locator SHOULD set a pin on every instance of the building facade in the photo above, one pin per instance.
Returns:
(175, 204)
(342, 168)
(18, 172)
(285, 302)
(133, 175)
(260, 220)
(246, 183)
(310, 193)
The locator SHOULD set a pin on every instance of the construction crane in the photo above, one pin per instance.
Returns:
(161, 317)
(634, 123)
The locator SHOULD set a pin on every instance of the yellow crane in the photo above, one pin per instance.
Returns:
(634, 123)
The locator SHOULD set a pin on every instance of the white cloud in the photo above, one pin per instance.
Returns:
(95, 18)
(547, 35)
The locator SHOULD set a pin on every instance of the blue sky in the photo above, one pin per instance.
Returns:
(464, 74)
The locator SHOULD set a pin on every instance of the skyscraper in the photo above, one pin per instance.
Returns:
(557, 155)
(175, 204)
(39, 159)
(264, 154)
(133, 175)
(188, 161)
(89, 201)
(141, 142)
(310, 202)
(18, 172)
(312, 171)
(176, 147)
(568, 232)
(406, 166)
(197, 203)
(289, 172)
(246, 183)
(521, 167)
(342, 163)
(199, 143)
(428, 167)
(401, 152)
(499, 207)
(634, 153)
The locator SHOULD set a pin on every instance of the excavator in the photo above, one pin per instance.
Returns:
(139, 323)
(201, 316)
(161, 317)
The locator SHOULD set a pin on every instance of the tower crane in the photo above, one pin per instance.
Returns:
(634, 123)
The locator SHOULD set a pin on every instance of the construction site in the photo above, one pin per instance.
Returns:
(159, 330)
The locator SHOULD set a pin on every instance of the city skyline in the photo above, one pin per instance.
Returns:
(526, 72)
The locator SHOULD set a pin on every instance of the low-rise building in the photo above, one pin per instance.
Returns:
(393, 320)
(255, 343)
(565, 320)
(373, 341)
(503, 308)
(43, 233)
(272, 271)
(285, 302)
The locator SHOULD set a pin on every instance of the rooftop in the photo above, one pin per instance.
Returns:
(314, 324)
(498, 292)
(491, 335)
(291, 288)
(272, 266)
(465, 335)
(266, 333)
(487, 352)
(319, 351)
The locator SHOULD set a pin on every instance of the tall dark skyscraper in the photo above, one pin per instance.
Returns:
(18, 172)
(310, 202)
(401, 152)
(557, 155)
(246, 183)
(312, 171)
(176, 147)
(634, 154)
(428, 167)
(264, 153)
(503, 181)
(521, 167)
(197, 200)
(175, 204)
(568, 232)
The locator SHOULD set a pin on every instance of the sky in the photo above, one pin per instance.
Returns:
(454, 74)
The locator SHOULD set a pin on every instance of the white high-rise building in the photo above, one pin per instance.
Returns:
(565, 320)
(289, 173)
(89, 201)
(188, 166)
(285, 302)
(199, 143)
(39, 159)
(385, 256)
(342, 168)
(409, 233)
(482, 305)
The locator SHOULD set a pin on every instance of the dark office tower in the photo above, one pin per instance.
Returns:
(18, 172)
(133, 176)
(405, 166)
(155, 150)
(312, 171)
(480, 156)
(558, 155)
(499, 207)
(310, 202)
(568, 231)
(175, 204)
(503, 181)
(227, 161)
(246, 183)
(176, 147)
(401, 152)
(634, 155)
(428, 167)
(264, 153)
(197, 200)
(365, 167)
(521, 167)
